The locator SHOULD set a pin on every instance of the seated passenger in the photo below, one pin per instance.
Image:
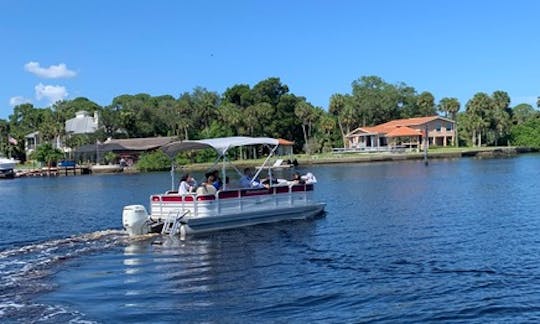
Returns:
(297, 179)
(206, 188)
(218, 184)
(247, 180)
(309, 178)
(187, 184)
(268, 182)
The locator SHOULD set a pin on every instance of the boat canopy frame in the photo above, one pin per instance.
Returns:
(221, 145)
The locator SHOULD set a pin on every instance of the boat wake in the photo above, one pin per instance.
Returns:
(24, 273)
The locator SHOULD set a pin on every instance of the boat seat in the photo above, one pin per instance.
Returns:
(206, 197)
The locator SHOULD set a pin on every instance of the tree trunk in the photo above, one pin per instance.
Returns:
(456, 138)
(342, 132)
(305, 138)
(480, 139)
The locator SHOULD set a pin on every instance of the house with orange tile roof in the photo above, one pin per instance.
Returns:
(409, 133)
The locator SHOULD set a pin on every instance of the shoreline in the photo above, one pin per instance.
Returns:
(485, 152)
(482, 152)
(320, 159)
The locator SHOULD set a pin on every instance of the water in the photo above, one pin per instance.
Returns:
(455, 242)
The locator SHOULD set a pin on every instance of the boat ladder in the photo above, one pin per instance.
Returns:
(172, 222)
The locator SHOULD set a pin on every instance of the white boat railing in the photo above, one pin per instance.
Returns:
(230, 201)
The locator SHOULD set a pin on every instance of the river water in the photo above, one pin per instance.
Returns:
(457, 241)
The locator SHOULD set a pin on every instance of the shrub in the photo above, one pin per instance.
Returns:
(154, 161)
(527, 134)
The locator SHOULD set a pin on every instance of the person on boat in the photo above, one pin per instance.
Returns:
(218, 184)
(247, 180)
(187, 184)
(207, 187)
(297, 179)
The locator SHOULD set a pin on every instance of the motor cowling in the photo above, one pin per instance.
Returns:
(134, 220)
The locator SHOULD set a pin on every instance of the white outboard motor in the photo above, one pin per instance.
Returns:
(134, 219)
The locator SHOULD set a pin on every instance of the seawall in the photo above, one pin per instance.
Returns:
(487, 152)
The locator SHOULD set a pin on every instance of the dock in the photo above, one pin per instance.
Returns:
(54, 171)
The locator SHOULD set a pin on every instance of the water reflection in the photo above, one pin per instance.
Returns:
(210, 270)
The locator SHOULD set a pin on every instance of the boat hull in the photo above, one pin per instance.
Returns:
(7, 174)
(223, 222)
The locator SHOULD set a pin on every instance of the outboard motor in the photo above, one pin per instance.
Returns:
(134, 219)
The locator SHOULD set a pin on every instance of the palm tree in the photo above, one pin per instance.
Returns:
(450, 106)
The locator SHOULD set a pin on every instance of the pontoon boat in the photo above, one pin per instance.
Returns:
(172, 213)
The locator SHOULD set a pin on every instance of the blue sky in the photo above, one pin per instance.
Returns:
(102, 49)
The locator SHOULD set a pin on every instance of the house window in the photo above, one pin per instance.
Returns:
(449, 127)
(438, 127)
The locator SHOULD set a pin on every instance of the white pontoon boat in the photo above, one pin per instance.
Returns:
(172, 213)
(6, 167)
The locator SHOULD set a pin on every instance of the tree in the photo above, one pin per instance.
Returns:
(407, 101)
(479, 114)
(46, 153)
(527, 133)
(304, 112)
(205, 104)
(270, 91)
(239, 95)
(342, 109)
(327, 124)
(231, 115)
(522, 113)
(426, 104)
(450, 106)
(501, 116)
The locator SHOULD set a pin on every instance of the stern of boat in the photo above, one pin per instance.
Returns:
(135, 220)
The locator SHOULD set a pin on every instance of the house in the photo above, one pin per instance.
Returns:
(83, 123)
(403, 134)
(31, 142)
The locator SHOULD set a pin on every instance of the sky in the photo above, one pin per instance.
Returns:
(54, 50)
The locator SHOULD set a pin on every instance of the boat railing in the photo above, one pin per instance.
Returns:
(229, 200)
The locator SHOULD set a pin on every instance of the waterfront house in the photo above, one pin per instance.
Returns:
(403, 134)
(83, 123)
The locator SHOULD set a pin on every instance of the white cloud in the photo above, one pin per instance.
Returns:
(52, 72)
(50, 92)
(18, 100)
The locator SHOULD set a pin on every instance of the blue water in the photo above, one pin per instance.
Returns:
(457, 241)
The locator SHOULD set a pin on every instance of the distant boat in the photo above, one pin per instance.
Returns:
(6, 167)
(278, 164)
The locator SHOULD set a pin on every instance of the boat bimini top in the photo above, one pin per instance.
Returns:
(221, 145)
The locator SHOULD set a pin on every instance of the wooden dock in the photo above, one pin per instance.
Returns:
(54, 172)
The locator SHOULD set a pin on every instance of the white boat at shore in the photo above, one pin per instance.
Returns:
(172, 213)
(7, 167)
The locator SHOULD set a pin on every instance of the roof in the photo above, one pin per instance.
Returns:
(221, 145)
(285, 142)
(32, 135)
(391, 126)
(403, 131)
(129, 144)
(81, 124)
(138, 144)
